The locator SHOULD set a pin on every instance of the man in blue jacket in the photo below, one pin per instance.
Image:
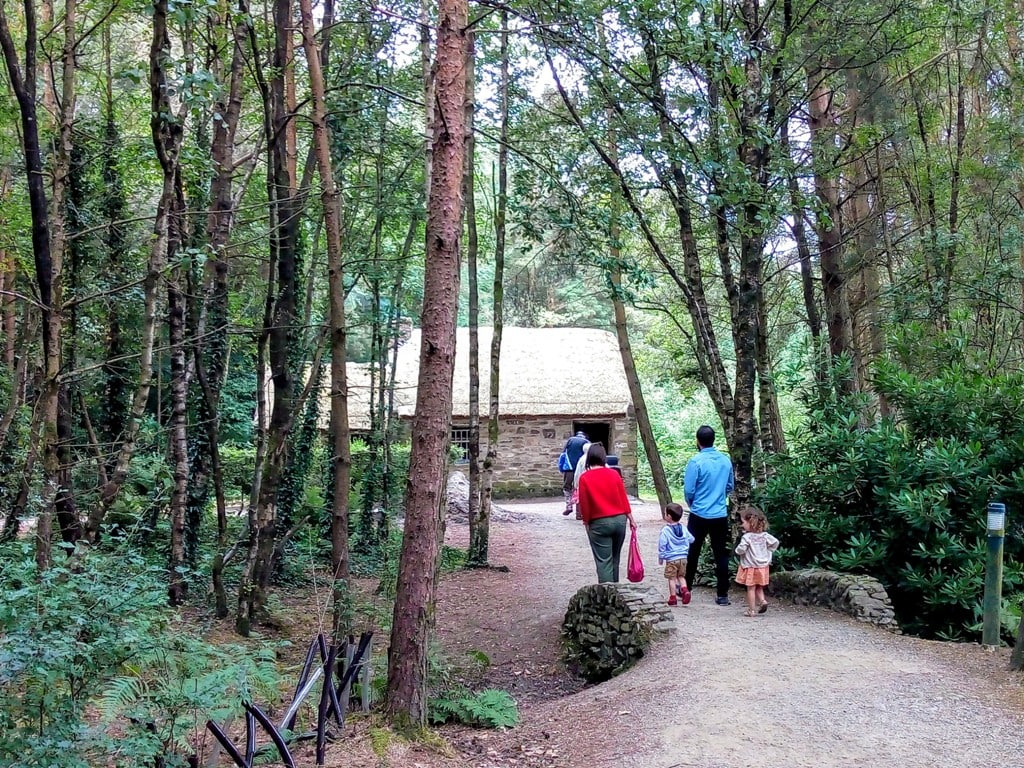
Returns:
(574, 447)
(707, 481)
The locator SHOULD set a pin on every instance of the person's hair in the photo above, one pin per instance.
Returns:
(674, 511)
(596, 456)
(757, 518)
(705, 437)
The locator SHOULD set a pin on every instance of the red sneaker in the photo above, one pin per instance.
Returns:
(686, 597)
(672, 600)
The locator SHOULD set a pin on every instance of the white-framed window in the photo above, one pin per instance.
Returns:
(460, 442)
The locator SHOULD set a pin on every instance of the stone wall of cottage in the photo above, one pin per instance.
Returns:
(528, 449)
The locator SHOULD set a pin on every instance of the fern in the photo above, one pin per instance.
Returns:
(491, 708)
(494, 708)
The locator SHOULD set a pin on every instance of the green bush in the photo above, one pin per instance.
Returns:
(238, 465)
(96, 670)
(362, 471)
(905, 500)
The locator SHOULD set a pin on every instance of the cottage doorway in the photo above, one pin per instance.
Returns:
(596, 432)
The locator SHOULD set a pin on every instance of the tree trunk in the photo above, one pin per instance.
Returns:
(827, 225)
(210, 347)
(676, 186)
(803, 249)
(480, 544)
(770, 432)
(177, 430)
(861, 216)
(406, 701)
(46, 252)
(643, 419)
(167, 128)
(472, 248)
(279, 328)
(1017, 657)
(330, 198)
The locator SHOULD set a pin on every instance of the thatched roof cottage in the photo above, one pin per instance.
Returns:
(554, 381)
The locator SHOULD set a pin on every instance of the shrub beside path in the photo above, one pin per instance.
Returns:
(796, 687)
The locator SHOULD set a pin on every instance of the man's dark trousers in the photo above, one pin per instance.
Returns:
(717, 529)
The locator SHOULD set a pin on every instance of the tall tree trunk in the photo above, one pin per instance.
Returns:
(47, 244)
(167, 128)
(330, 198)
(8, 281)
(770, 432)
(210, 347)
(756, 115)
(827, 226)
(177, 428)
(676, 186)
(280, 333)
(424, 522)
(803, 249)
(479, 544)
(114, 405)
(861, 217)
(472, 249)
(643, 419)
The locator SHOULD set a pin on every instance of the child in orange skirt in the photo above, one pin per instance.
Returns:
(755, 551)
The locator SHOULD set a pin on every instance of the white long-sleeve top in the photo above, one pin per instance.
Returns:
(755, 549)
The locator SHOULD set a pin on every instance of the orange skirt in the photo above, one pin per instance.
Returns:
(752, 577)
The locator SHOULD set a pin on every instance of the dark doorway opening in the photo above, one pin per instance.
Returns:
(596, 432)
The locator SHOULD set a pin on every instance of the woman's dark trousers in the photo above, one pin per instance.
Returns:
(607, 535)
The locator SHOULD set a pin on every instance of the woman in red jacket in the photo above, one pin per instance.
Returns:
(605, 510)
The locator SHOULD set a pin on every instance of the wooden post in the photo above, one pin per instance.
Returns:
(366, 676)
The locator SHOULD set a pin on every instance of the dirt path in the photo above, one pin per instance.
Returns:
(797, 687)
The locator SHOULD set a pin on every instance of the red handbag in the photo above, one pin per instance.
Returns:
(635, 567)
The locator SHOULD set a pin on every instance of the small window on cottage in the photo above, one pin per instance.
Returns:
(460, 444)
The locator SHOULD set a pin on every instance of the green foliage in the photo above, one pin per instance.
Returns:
(455, 701)
(236, 407)
(362, 471)
(237, 465)
(98, 639)
(490, 708)
(904, 500)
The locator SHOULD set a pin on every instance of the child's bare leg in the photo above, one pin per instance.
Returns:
(751, 599)
(762, 602)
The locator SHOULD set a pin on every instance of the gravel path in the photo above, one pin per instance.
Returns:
(796, 687)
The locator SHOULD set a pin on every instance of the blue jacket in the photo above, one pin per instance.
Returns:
(574, 448)
(674, 543)
(707, 481)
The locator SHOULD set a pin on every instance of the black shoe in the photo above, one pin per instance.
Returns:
(722, 600)
(568, 511)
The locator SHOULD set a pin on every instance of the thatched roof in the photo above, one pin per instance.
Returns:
(573, 372)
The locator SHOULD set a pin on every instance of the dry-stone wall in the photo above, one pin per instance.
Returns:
(607, 627)
(862, 597)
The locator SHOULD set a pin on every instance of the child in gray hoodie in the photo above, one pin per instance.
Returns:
(673, 549)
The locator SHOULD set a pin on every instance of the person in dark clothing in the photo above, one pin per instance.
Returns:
(573, 452)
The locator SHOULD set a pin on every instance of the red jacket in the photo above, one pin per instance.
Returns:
(602, 494)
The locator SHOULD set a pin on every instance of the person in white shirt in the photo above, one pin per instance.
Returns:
(755, 551)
